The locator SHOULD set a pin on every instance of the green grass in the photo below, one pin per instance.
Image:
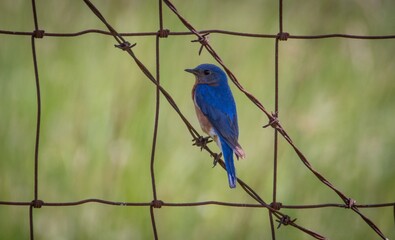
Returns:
(337, 99)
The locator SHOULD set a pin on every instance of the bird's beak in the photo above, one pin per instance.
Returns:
(193, 71)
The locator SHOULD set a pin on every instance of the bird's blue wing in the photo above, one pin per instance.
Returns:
(220, 109)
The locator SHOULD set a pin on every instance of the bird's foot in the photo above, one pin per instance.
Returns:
(201, 142)
(217, 157)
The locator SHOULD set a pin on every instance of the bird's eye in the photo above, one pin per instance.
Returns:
(206, 72)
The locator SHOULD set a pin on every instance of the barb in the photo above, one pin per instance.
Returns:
(285, 220)
(202, 39)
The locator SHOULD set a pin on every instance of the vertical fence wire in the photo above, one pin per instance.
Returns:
(274, 207)
(157, 108)
(36, 34)
(276, 114)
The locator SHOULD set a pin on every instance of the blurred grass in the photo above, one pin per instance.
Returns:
(337, 99)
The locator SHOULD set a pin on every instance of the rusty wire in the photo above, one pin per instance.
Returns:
(273, 120)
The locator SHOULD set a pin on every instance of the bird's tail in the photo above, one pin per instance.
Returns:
(229, 164)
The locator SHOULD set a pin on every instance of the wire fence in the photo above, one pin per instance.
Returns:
(276, 217)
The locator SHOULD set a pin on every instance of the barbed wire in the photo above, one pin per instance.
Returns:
(273, 120)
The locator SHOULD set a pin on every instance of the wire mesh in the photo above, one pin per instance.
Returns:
(276, 216)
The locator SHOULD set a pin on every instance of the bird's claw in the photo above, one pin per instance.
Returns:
(201, 142)
(217, 157)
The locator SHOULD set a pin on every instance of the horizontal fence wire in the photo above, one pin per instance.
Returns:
(274, 208)
(186, 204)
(211, 31)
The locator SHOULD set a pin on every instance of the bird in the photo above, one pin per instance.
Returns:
(216, 112)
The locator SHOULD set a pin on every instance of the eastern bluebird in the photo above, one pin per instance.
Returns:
(216, 112)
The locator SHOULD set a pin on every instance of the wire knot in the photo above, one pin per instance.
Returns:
(350, 203)
(37, 203)
(276, 205)
(157, 203)
(38, 33)
(273, 122)
(202, 39)
(125, 45)
(201, 142)
(163, 33)
(283, 36)
(285, 220)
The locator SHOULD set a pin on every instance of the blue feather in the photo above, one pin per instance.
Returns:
(229, 163)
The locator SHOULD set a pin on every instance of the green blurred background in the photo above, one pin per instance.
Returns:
(337, 99)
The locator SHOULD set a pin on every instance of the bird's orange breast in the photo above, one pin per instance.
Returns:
(204, 122)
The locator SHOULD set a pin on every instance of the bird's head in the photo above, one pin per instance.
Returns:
(208, 74)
